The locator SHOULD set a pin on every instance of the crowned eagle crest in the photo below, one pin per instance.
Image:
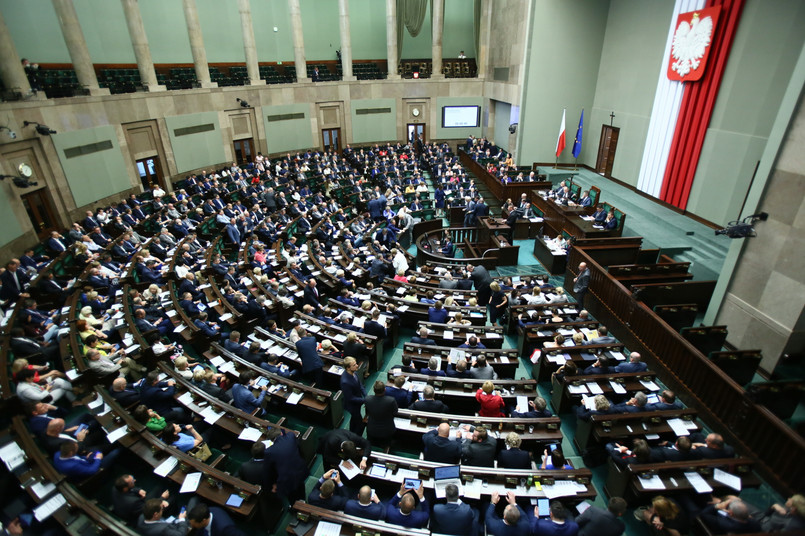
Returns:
(690, 43)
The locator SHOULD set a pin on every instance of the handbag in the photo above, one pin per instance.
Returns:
(202, 452)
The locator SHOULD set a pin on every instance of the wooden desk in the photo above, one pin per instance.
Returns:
(559, 218)
(627, 482)
(504, 360)
(459, 393)
(350, 525)
(535, 433)
(515, 480)
(553, 261)
(623, 426)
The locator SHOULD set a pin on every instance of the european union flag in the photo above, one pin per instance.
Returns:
(577, 142)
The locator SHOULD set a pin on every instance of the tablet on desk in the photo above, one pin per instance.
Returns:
(234, 500)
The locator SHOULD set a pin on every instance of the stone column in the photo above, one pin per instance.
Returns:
(438, 29)
(346, 41)
(391, 40)
(298, 41)
(77, 46)
(197, 44)
(249, 47)
(484, 38)
(139, 42)
(11, 70)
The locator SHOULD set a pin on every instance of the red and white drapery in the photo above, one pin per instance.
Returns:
(682, 111)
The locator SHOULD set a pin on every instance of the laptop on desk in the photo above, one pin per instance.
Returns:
(444, 476)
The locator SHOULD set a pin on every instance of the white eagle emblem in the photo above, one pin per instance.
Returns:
(690, 44)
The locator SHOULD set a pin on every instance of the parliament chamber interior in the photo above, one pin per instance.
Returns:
(402, 267)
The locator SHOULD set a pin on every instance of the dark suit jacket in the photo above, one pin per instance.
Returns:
(480, 454)
(454, 518)
(129, 505)
(311, 298)
(253, 471)
(402, 396)
(380, 411)
(330, 446)
(371, 327)
(418, 518)
(496, 526)
(373, 510)
(726, 525)
(514, 459)
(306, 348)
(353, 392)
(286, 467)
(596, 521)
(162, 528)
(335, 502)
(420, 340)
(431, 406)
(221, 525)
(547, 527)
(441, 449)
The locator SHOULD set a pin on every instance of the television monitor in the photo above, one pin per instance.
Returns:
(461, 116)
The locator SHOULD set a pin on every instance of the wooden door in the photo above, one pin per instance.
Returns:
(39, 208)
(331, 138)
(606, 149)
(244, 151)
(150, 172)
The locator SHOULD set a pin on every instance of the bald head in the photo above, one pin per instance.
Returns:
(634, 357)
(444, 430)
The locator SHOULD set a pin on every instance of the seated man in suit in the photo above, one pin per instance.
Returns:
(636, 404)
(422, 338)
(129, 500)
(538, 409)
(75, 467)
(374, 327)
(454, 517)
(458, 370)
(428, 403)
(595, 521)
(208, 520)
(396, 391)
(633, 365)
(448, 282)
(680, 451)
(513, 457)
(367, 505)
(603, 337)
(480, 449)
(433, 368)
(437, 313)
(406, 510)
(736, 520)
(440, 447)
(448, 249)
(558, 524)
(329, 492)
(150, 523)
(599, 215)
(513, 522)
(713, 447)
(667, 401)
(585, 200)
(610, 222)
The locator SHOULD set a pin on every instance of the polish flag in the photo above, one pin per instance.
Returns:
(560, 141)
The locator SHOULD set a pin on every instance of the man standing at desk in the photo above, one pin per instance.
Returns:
(581, 282)
(481, 280)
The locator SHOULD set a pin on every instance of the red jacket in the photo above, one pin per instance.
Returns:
(491, 405)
